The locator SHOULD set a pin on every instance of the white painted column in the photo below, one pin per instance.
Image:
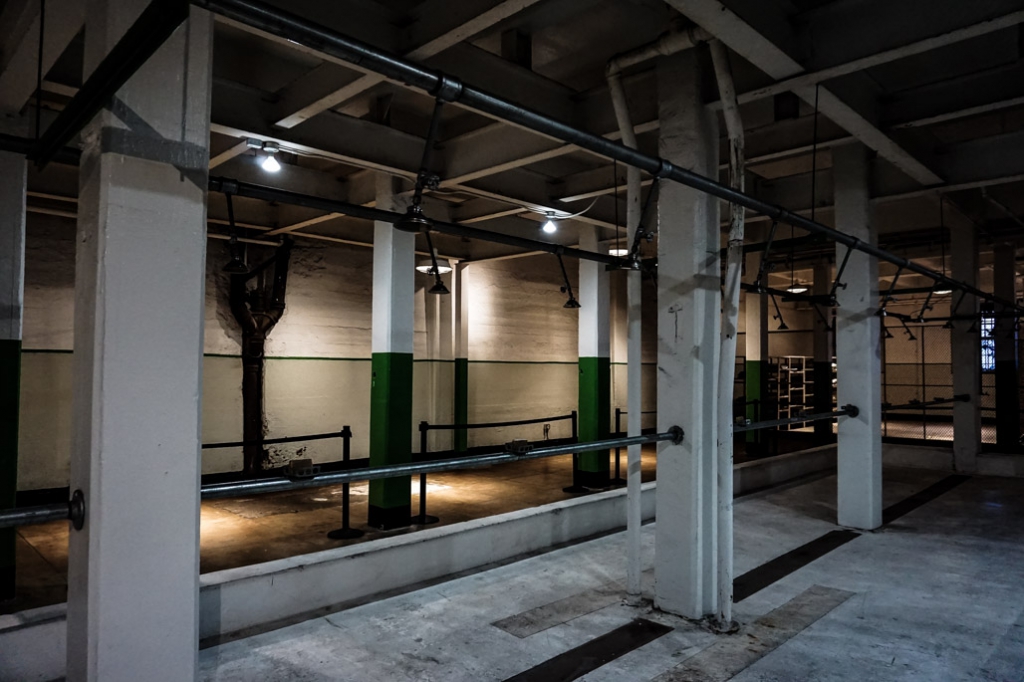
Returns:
(139, 307)
(12, 294)
(965, 345)
(594, 363)
(460, 294)
(756, 356)
(393, 314)
(689, 304)
(858, 348)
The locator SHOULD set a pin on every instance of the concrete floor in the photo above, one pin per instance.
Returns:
(933, 597)
(250, 530)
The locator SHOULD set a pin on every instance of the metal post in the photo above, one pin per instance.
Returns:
(618, 480)
(423, 518)
(576, 488)
(346, 532)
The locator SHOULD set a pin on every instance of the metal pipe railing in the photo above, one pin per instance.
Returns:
(24, 516)
(919, 405)
(303, 32)
(845, 411)
(270, 485)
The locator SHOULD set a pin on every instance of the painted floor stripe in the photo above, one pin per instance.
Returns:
(755, 580)
(908, 505)
(557, 612)
(576, 663)
(730, 656)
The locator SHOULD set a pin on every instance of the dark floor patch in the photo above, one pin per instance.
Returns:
(933, 491)
(729, 656)
(757, 579)
(557, 612)
(586, 658)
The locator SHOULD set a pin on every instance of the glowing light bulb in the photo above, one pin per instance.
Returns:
(550, 227)
(271, 164)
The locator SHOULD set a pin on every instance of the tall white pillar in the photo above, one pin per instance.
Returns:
(689, 305)
(12, 293)
(755, 368)
(594, 364)
(965, 345)
(460, 294)
(822, 353)
(139, 285)
(858, 348)
(1004, 285)
(394, 294)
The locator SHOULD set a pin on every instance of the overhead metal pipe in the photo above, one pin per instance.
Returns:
(253, 191)
(313, 36)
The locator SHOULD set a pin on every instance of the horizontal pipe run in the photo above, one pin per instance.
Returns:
(962, 398)
(308, 34)
(274, 485)
(846, 411)
(253, 191)
(28, 516)
(275, 441)
(424, 426)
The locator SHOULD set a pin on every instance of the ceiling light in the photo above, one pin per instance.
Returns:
(270, 164)
(550, 227)
(427, 266)
(943, 292)
(618, 253)
(797, 289)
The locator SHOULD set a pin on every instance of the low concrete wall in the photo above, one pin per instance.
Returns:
(253, 598)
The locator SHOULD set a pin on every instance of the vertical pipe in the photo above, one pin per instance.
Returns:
(633, 349)
(423, 518)
(730, 319)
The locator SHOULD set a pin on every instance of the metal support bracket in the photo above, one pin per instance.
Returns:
(763, 267)
(76, 509)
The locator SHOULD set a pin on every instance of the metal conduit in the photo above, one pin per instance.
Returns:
(845, 411)
(311, 35)
(254, 191)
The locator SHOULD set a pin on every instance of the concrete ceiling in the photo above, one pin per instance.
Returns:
(935, 87)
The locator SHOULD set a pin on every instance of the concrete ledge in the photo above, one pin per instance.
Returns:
(240, 601)
(932, 457)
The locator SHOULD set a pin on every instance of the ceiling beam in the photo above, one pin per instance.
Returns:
(752, 45)
(20, 46)
(441, 25)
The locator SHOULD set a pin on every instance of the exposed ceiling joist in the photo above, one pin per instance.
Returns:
(19, 45)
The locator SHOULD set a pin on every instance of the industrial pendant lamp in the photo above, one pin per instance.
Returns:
(550, 226)
(439, 289)
(572, 303)
(414, 220)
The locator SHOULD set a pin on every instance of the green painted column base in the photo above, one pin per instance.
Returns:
(594, 420)
(461, 403)
(10, 398)
(390, 438)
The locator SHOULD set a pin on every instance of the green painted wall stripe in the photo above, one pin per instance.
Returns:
(594, 410)
(461, 403)
(391, 426)
(10, 397)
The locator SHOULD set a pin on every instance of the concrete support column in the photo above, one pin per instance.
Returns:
(756, 357)
(965, 345)
(689, 306)
(594, 364)
(139, 306)
(394, 260)
(822, 353)
(12, 293)
(1004, 280)
(858, 348)
(460, 281)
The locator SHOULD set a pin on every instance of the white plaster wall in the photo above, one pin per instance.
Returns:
(318, 369)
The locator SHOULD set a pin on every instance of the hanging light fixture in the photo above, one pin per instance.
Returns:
(426, 266)
(797, 289)
(550, 227)
(435, 269)
(618, 253)
(566, 288)
(270, 162)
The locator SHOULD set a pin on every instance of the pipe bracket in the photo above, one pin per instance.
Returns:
(76, 509)
(677, 434)
(448, 89)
